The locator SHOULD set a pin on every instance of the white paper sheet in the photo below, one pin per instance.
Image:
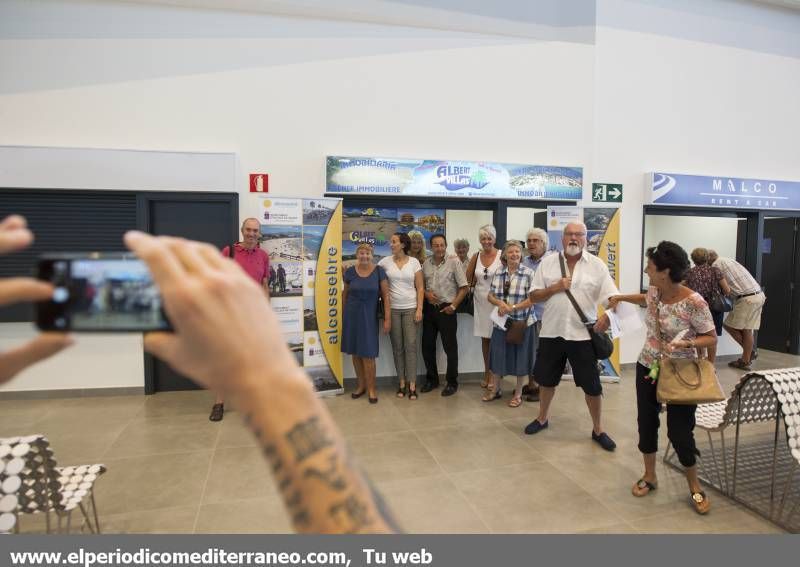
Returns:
(499, 319)
(624, 319)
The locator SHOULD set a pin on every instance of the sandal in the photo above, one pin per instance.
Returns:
(515, 402)
(492, 394)
(643, 488)
(412, 394)
(217, 410)
(740, 364)
(401, 391)
(701, 502)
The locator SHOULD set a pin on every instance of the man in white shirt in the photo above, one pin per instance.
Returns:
(563, 336)
(745, 317)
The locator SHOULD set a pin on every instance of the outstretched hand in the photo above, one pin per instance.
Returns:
(226, 335)
(14, 235)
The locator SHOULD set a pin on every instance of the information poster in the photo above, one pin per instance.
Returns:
(303, 240)
(602, 240)
(375, 225)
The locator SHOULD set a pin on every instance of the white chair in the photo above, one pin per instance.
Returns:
(30, 483)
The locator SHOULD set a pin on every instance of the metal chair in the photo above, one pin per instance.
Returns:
(759, 397)
(32, 483)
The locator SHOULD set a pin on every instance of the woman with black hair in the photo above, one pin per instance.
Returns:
(685, 324)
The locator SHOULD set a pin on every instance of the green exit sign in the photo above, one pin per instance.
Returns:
(606, 192)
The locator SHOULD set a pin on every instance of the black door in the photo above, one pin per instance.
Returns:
(777, 278)
(208, 217)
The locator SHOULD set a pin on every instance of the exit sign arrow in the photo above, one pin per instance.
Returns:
(606, 192)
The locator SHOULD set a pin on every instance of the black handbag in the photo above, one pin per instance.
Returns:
(380, 311)
(467, 304)
(719, 302)
(602, 344)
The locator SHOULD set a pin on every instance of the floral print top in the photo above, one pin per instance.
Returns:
(690, 314)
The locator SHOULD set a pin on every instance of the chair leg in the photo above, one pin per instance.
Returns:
(94, 511)
(714, 458)
(86, 520)
(786, 489)
(666, 452)
(724, 460)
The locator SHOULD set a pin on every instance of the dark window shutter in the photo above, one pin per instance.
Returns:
(64, 221)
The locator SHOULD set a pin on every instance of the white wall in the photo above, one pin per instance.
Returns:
(294, 92)
(692, 104)
(703, 87)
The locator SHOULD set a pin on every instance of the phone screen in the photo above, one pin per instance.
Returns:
(102, 293)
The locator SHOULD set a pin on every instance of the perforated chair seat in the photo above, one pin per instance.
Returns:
(30, 482)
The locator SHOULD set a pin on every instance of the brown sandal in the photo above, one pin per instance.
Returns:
(491, 394)
(515, 402)
(643, 488)
(700, 502)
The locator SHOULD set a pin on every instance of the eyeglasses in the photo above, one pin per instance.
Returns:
(575, 234)
(486, 273)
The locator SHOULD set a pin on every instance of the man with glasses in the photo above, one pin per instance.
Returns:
(537, 244)
(564, 337)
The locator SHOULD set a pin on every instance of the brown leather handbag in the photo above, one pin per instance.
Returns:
(686, 381)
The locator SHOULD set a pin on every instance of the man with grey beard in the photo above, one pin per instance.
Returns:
(563, 336)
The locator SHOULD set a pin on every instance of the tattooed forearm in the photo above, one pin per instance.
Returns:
(351, 514)
(331, 475)
(307, 438)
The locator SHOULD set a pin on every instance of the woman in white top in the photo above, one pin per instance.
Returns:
(406, 289)
(480, 274)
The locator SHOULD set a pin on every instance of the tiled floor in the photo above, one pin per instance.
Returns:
(445, 465)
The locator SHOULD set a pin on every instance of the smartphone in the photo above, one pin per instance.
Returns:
(100, 293)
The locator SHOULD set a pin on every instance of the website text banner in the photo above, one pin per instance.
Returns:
(389, 551)
(723, 192)
(392, 177)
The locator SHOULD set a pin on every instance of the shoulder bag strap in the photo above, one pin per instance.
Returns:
(474, 263)
(584, 320)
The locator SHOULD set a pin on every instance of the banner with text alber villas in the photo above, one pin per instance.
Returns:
(303, 238)
(441, 178)
(602, 240)
(723, 192)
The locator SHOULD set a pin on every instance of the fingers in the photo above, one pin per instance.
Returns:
(13, 290)
(14, 237)
(161, 345)
(158, 256)
(43, 346)
(13, 222)
(214, 258)
(188, 253)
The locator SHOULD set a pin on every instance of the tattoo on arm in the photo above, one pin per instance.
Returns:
(351, 514)
(307, 438)
(331, 476)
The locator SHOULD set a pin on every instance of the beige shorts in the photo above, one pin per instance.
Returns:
(746, 312)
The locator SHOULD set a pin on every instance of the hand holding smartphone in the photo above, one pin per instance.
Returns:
(98, 292)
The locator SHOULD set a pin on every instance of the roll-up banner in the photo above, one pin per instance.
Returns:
(303, 238)
(602, 240)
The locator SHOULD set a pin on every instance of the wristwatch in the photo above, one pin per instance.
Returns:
(514, 307)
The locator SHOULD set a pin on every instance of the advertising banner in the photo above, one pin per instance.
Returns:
(375, 225)
(723, 192)
(436, 178)
(303, 240)
(602, 240)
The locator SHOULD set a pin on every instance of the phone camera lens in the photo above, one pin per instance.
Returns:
(60, 322)
(60, 294)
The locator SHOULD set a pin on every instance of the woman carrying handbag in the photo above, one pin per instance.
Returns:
(678, 322)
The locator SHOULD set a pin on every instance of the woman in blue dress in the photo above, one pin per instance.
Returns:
(364, 283)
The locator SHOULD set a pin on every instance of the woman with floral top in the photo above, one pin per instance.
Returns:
(685, 324)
